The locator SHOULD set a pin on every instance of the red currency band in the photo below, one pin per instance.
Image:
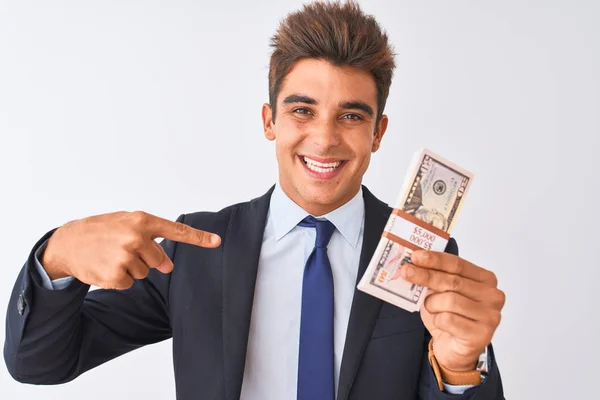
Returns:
(400, 241)
(411, 218)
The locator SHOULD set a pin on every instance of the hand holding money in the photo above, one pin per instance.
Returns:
(462, 308)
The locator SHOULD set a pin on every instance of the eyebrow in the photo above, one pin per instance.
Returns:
(347, 105)
(357, 105)
(298, 98)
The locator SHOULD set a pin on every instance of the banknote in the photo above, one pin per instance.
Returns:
(430, 200)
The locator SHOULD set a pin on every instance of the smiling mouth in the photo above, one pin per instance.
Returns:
(322, 166)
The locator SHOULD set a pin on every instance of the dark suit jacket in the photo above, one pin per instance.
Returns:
(205, 306)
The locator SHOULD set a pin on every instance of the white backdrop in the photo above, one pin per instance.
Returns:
(155, 105)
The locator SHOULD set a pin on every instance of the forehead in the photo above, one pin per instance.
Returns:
(327, 83)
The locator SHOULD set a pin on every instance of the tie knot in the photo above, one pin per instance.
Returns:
(324, 229)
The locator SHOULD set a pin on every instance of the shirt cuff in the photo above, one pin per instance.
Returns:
(459, 389)
(47, 283)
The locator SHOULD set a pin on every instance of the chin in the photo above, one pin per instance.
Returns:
(322, 197)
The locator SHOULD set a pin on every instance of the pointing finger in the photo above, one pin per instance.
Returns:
(180, 232)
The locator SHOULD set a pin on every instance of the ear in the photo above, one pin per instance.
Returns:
(379, 132)
(267, 118)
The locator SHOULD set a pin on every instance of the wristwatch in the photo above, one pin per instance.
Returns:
(461, 378)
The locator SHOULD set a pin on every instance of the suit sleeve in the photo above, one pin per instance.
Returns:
(489, 389)
(53, 336)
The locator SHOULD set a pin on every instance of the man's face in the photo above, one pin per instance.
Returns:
(324, 131)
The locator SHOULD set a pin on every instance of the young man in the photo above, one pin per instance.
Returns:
(260, 298)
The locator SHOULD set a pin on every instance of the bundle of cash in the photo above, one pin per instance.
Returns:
(424, 214)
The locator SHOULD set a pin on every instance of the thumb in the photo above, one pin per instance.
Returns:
(166, 266)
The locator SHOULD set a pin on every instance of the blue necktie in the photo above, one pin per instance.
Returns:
(315, 363)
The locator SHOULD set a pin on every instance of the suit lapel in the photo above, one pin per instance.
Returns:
(241, 251)
(365, 308)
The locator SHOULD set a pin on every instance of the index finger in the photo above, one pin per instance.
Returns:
(452, 264)
(180, 232)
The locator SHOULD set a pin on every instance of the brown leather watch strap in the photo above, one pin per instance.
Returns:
(444, 375)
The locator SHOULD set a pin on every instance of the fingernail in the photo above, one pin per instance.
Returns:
(407, 271)
(414, 257)
(417, 256)
(215, 239)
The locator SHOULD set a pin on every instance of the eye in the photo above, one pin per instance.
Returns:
(354, 117)
(301, 110)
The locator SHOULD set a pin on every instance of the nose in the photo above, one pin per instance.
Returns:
(325, 134)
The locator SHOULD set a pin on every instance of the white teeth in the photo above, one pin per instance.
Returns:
(319, 169)
(319, 166)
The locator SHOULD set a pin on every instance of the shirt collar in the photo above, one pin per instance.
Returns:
(286, 214)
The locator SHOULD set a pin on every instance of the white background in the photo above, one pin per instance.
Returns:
(123, 105)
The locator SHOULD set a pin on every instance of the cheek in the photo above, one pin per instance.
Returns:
(283, 150)
(362, 146)
(364, 163)
(289, 135)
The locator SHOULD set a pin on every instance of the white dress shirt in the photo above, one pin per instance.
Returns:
(271, 366)
(272, 359)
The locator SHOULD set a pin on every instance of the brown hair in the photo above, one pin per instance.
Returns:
(338, 33)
